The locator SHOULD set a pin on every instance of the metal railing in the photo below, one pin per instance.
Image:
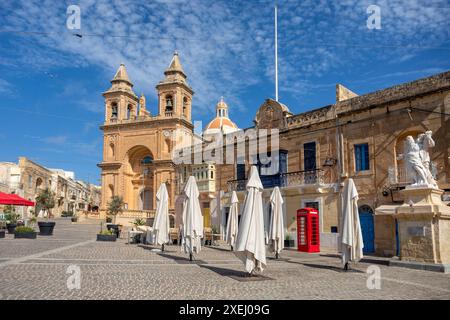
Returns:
(290, 179)
(398, 176)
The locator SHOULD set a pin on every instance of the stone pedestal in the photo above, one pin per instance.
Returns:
(424, 226)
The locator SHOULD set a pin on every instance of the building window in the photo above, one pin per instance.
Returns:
(185, 105)
(240, 171)
(309, 161)
(212, 175)
(362, 157)
(129, 111)
(114, 110)
(30, 181)
(169, 103)
(147, 160)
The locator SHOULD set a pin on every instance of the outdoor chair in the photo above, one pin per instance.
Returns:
(174, 235)
(207, 236)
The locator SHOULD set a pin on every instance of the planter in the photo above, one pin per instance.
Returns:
(46, 228)
(106, 237)
(289, 243)
(11, 227)
(25, 235)
(2, 233)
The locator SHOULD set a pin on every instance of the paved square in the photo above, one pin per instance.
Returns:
(37, 269)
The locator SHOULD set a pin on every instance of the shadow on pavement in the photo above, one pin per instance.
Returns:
(181, 260)
(326, 267)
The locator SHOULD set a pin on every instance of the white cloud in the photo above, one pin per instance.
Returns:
(225, 46)
(6, 88)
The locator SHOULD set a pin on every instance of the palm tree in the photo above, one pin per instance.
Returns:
(46, 200)
(115, 206)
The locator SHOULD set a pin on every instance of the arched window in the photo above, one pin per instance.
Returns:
(147, 160)
(114, 110)
(169, 103)
(185, 105)
(129, 111)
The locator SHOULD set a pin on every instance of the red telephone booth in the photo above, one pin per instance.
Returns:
(308, 230)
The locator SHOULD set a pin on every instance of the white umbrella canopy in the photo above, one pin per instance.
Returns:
(232, 223)
(250, 247)
(276, 230)
(352, 241)
(161, 223)
(192, 229)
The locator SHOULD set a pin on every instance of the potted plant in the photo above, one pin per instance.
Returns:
(46, 200)
(288, 241)
(115, 206)
(106, 235)
(23, 232)
(11, 221)
(139, 222)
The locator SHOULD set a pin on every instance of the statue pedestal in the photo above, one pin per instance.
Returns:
(424, 226)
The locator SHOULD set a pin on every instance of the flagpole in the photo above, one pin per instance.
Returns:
(276, 53)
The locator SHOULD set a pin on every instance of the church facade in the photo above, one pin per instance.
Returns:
(137, 146)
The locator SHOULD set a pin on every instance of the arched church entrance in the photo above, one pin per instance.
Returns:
(139, 179)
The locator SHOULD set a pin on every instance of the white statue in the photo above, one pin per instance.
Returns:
(425, 142)
(417, 160)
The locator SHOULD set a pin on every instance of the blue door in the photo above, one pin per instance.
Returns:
(367, 228)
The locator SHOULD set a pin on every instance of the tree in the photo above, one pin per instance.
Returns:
(46, 200)
(115, 206)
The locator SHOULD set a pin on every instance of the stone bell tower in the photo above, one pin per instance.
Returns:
(174, 93)
(120, 100)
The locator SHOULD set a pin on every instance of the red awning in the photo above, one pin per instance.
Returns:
(14, 199)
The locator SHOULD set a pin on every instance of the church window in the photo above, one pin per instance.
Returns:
(147, 160)
(169, 103)
(185, 105)
(129, 111)
(114, 110)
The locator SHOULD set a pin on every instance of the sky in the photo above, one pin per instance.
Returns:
(51, 81)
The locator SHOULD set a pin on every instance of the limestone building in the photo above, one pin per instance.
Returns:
(360, 137)
(27, 178)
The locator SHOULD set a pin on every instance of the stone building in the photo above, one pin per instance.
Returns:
(360, 137)
(137, 150)
(27, 178)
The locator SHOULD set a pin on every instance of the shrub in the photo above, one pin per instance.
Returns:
(67, 214)
(288, 236)
(107, 232)
(46, 200)
(139, 222)
(115, 206)
(24, 229)
(12, 217)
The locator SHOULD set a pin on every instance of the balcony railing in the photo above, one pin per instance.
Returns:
(398, 176)
(290, 179)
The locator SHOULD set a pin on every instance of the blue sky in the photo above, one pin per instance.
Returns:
(51, 81)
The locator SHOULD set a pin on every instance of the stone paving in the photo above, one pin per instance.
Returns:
(37, 269)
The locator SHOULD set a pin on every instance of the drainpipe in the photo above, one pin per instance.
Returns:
(341, 158)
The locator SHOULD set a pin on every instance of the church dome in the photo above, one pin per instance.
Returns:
(221, 123)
